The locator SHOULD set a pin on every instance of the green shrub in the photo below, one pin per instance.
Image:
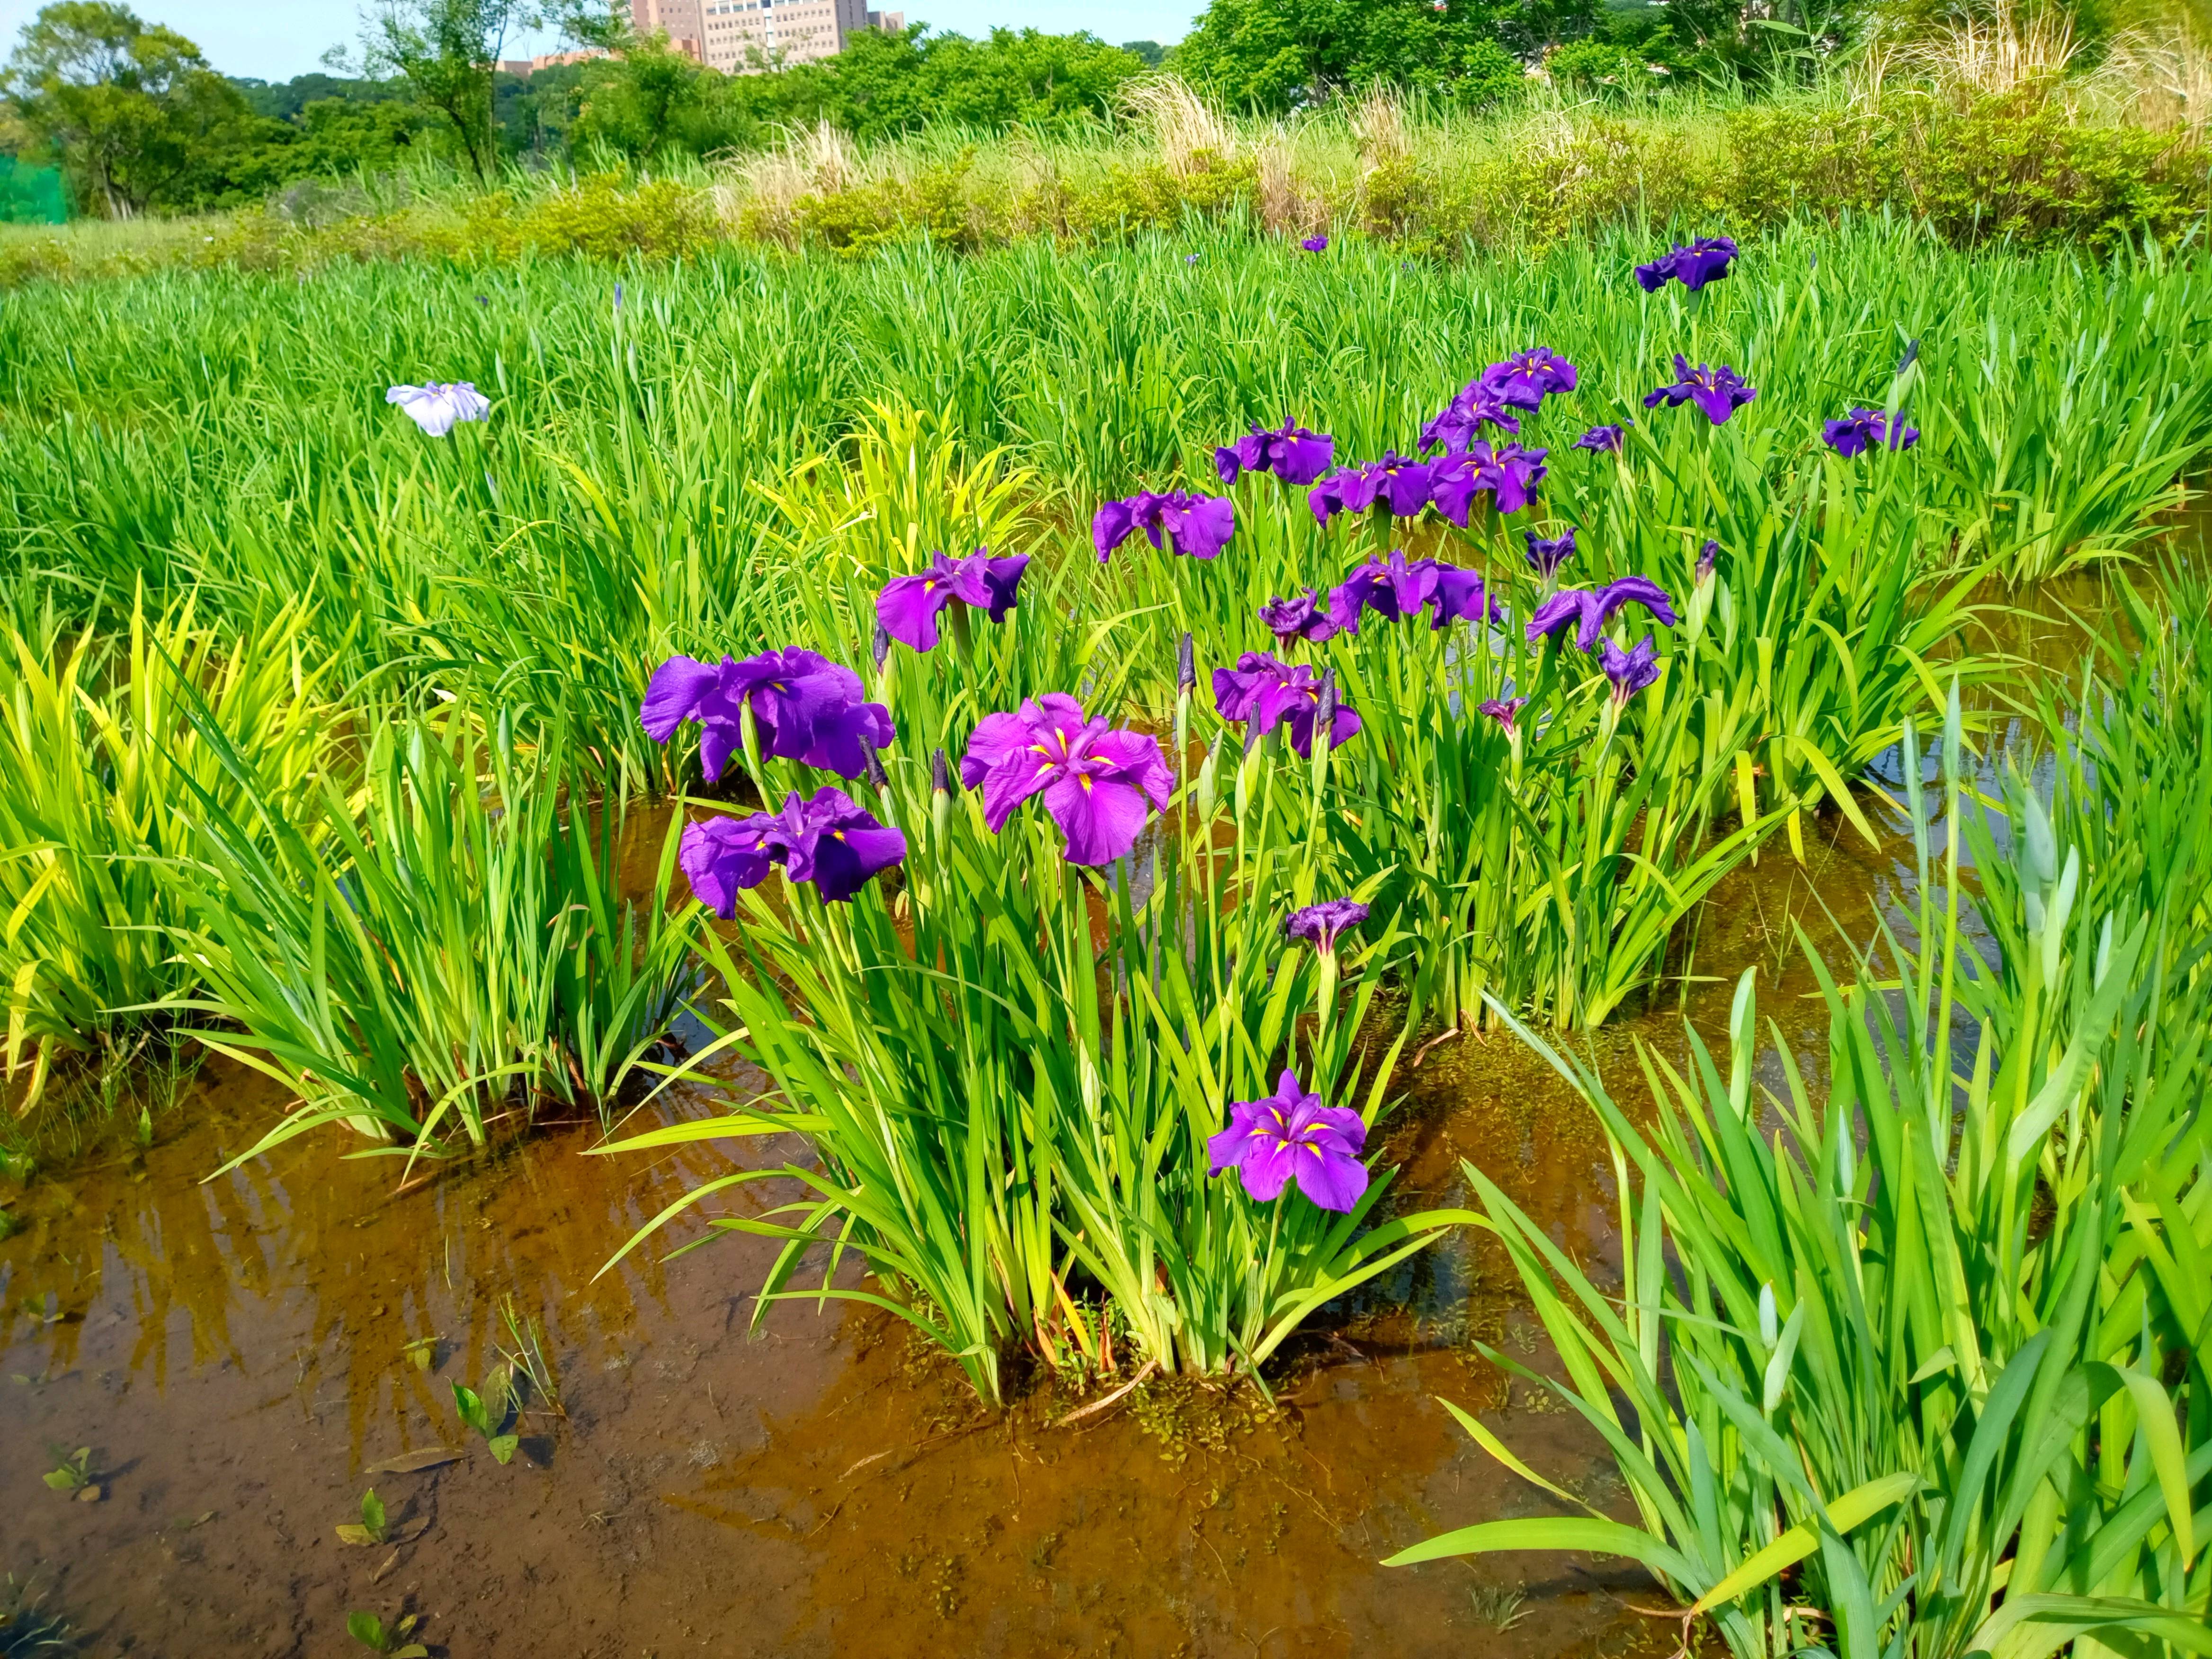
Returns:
(2017, 166)
(1782, 161)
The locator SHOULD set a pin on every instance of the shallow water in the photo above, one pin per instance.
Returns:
(235, 1353)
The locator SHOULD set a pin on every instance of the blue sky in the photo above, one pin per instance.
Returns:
(275, 41)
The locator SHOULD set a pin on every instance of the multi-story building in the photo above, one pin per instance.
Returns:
(725, 34)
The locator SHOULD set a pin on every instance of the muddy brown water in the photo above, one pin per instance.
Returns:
(235, 1353)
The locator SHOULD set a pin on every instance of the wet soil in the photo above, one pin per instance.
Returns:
(239, 1354)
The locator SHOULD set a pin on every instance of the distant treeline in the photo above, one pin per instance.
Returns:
(140, 121)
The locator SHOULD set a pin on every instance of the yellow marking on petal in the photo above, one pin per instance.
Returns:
(1085, 782)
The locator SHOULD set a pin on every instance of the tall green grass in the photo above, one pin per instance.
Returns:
(662, 469)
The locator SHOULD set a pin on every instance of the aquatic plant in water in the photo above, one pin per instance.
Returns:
(1012, 1085)
(1956, 1431)
(108, 748)
(447, 955)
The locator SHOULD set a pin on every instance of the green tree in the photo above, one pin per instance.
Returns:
(126, 105)
(638, 102)
(1277, 55)
(447, 50)
(882, 83)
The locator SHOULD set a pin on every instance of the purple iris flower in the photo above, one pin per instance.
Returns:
(1473, 407)
(1390, 587)
(1315, 244)
(1293, 455)
(1461, 597)
(1524, 380)
(1865, 428)
(1260, 693)
(1628, 670)
(1504, 710)
(1395, 482)
(1288, 1134)
(1600, 440)
(1705, 261)
(1591, 611)
(1305, 618)
(804, 707)
(1199, 525)
(1099, 784)
(1545, 557)
(1507, 474)
(1320, 924)
(908, 606)
(827, 840)
(1709, 558)
(1394, 589)
(1718, 391)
